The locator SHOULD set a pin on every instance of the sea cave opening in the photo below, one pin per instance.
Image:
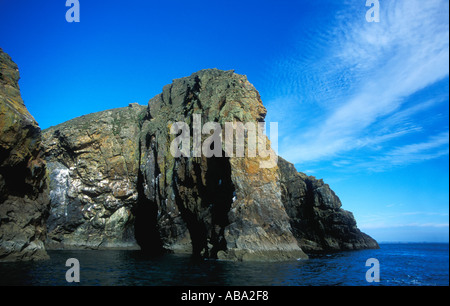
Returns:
(145, 224)
(205, 210)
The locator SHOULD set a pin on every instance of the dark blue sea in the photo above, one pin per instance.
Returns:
(411, 264)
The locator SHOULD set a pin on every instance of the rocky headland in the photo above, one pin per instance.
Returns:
(109, 180)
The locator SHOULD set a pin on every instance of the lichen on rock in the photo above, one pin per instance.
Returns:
(23, 182)
(93, 166)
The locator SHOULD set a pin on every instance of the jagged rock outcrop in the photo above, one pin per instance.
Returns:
(23, 184)
(317, 219)
(116, 182)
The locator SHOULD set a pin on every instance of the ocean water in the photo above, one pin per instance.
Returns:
(411, 264)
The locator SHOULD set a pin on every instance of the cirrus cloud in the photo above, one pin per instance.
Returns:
(362, 91)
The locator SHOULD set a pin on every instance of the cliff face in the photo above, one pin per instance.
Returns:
(115, 181)
(93, 164)
(228, 207)
(23, 184)
(318, 221)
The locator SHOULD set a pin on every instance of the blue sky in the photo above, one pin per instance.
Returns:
(365, 106)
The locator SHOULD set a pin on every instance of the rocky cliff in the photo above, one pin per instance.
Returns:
(168, 176)
(230, 206)
(115, 182)
(93, 164)
(23, 184)
(114, 179)
(317, 219)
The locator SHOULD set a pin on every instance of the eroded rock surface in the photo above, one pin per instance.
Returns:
(318, 221)
(23, 184)
(93, 164)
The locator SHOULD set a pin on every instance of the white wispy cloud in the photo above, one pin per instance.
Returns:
(435, 147)
(361, 84)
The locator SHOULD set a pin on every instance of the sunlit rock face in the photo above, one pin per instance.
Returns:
(23, 182)
(93, 164)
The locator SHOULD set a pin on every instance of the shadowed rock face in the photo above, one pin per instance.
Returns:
(115, 183)
(318, 221)
(23, 184)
